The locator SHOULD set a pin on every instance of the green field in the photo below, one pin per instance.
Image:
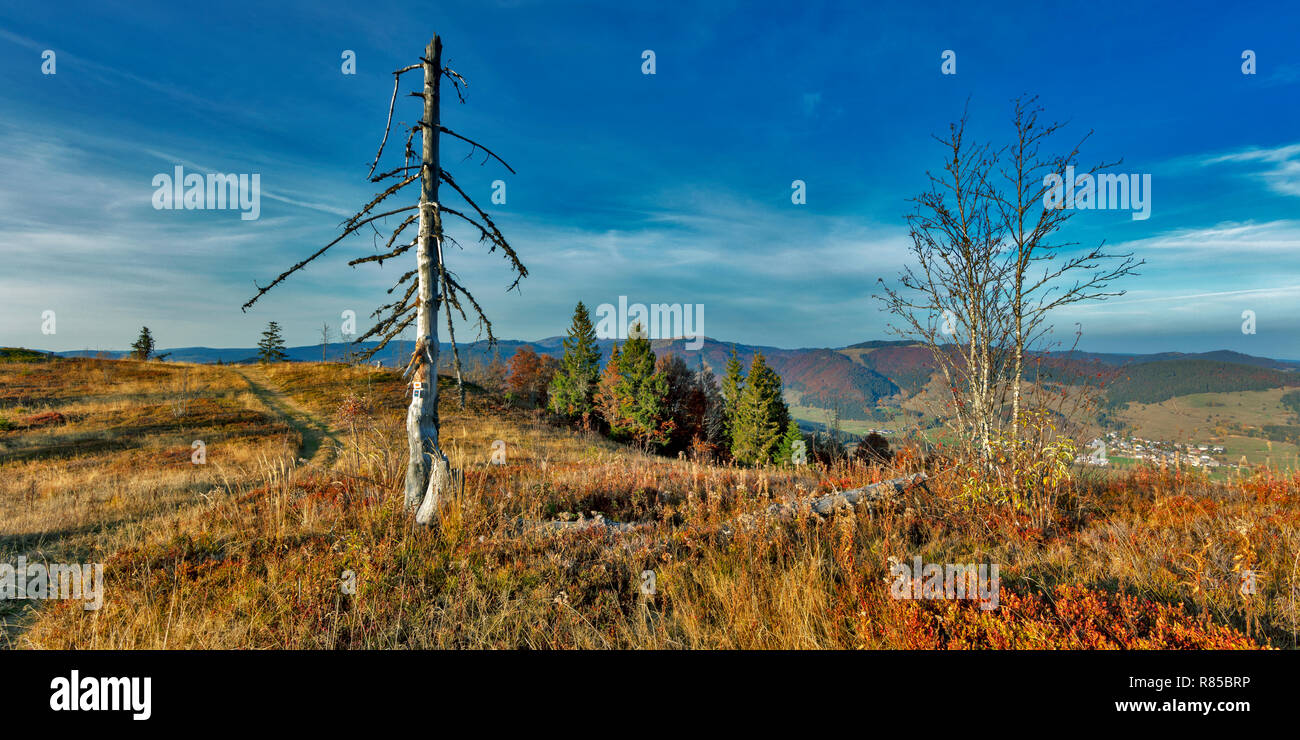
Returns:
(813, 415)
(1233, 420)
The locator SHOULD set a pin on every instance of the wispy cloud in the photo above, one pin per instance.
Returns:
(1281, 291)
(106, 73)
(1279, 167)
(1226, 240)
(292, 199)
(1283, 74)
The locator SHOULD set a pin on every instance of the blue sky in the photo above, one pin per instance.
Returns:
(667, 188)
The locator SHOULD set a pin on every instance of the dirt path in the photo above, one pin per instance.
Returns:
(319, 440)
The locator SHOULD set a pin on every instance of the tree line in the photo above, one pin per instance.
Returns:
(270, 348)
(659, 404)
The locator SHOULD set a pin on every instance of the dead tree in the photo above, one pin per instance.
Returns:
(423, 289)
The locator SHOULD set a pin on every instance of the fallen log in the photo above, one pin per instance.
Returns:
(824, 506)
(830, 503)
(583, 524)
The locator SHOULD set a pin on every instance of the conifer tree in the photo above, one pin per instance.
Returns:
(752, 430)
(762, 374)
(271, 346)
(607, 402)
(142, 348)
(573, 389)
(636, 398)
(785, 452)
(714, 423)
(761, 416)
(733, 382)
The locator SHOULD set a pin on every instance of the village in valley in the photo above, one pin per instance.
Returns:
(1158, 452)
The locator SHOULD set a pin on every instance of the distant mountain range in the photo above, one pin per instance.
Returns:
(857, 377)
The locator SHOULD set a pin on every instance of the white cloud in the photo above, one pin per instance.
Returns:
(1227, 239)
(1280, 166)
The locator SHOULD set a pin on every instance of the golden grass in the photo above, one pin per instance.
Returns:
(115, 467)
(266, 556)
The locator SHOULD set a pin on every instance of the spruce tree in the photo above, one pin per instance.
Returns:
(634, 394)
(772, 389)
(733, 383)
(714, 423)
(761, 417)
(271, 347)
(752, 427)
(573, 389)
(646, 389)
(785, 452)
(143, 346)
(683, 403)
(607, 401)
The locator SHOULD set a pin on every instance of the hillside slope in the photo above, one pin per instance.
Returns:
(856, 378)
(1152, 382)
(251, 549)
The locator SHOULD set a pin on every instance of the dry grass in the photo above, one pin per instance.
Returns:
(113, 468)
(265, 559)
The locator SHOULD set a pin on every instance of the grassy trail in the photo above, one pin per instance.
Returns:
(314, 429)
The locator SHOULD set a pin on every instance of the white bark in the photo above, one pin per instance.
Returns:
(428, 474)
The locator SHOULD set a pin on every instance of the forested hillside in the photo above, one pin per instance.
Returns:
(1153, 382)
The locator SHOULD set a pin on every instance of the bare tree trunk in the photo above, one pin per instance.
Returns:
(427, 472)
(1017, 370)
(428, 475)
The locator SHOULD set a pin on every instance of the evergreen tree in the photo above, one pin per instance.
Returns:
(143, 346)
(634, 394)
(607, 402)
(785, 451)
(773, 389)
(761, 416)
(733, 382)
(753, 435)
(714, 424)
(271, 347)
(573, 389)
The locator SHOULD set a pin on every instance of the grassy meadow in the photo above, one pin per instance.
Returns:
(292, 534)
(1233, 420)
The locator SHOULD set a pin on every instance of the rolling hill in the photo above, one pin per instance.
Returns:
(858, 377)
(1152, 382)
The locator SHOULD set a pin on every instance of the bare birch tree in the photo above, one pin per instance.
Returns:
(424, 289)
(990, 268)
(1067, 275)
(951, 298)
